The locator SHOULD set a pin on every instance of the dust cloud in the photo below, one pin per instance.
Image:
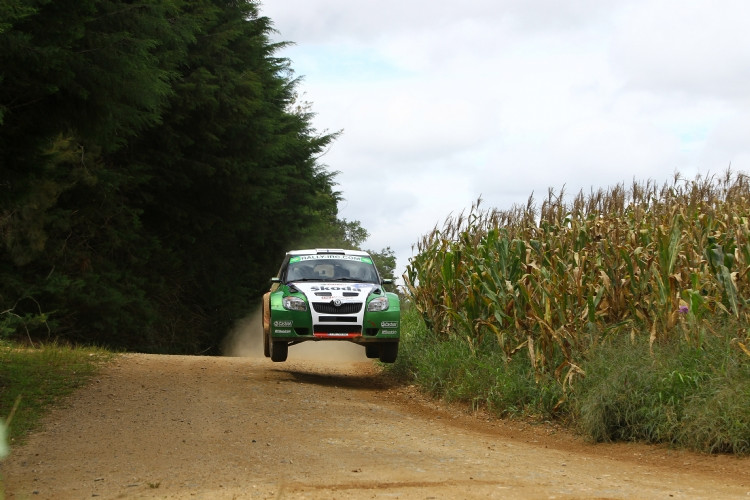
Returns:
(246, 340)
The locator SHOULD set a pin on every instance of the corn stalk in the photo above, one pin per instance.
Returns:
(554, 283)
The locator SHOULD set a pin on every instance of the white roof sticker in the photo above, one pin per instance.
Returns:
(357, 258)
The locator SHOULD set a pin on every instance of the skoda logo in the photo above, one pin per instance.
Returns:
(337, 302)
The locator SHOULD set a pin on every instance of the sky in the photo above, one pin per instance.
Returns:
(440, 103)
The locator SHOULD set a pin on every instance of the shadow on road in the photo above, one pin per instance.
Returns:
(365, 382)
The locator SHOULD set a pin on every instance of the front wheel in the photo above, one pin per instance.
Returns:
(388, 352)
(278, 350)
(266, 324)
(372, 351)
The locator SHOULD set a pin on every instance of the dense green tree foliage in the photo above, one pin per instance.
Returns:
(385, 260)
(154, 167)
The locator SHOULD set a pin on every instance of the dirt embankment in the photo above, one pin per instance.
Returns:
(244, 427)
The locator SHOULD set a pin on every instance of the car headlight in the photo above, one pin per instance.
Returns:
(294, 304)
(379, 304)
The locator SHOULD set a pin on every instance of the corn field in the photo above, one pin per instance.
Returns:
(551, 283)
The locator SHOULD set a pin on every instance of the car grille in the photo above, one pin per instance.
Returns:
(345, 308)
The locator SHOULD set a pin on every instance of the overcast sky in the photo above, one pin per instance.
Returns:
(442, 102)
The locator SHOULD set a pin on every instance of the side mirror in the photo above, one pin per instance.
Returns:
(386, 281)
(275, 280)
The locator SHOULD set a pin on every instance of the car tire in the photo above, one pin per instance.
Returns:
(267, 324)
(388, 352)
(372, 351)
(279, 350)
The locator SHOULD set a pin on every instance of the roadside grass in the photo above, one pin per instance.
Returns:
(693, 396)
(32, 379)
(475, 374)
(690, 396)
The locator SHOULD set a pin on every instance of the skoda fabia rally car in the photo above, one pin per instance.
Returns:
(330, 294)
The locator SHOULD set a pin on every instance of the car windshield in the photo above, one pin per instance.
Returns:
(331, 268)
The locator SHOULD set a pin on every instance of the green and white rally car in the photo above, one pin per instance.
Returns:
(330, 294)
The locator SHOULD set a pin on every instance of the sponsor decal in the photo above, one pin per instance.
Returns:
(283, 324)
(281, 331)
(332, 290)
(355, 258)
(389, 332)
(322, 335)
(389, 324)
(340, 288)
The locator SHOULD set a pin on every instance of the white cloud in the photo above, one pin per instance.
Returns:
(692, 47)
(442, 103)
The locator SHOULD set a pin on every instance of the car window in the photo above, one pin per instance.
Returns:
(331, 268)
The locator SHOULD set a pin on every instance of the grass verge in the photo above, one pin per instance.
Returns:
(689, 395)
(31, 379)
(478, 375)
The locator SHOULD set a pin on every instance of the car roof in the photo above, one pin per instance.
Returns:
(324, 251)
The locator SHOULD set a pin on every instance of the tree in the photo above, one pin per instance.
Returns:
(77, 77)
(385, 260)
(154, 169)
(234, 177)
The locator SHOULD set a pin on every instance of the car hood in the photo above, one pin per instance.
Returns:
(325, 291)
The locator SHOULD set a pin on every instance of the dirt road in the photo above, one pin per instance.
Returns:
(203, 427)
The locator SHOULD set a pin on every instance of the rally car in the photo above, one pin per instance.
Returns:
(334, 295)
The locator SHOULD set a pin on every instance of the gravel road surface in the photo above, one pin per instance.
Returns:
(243, 427)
